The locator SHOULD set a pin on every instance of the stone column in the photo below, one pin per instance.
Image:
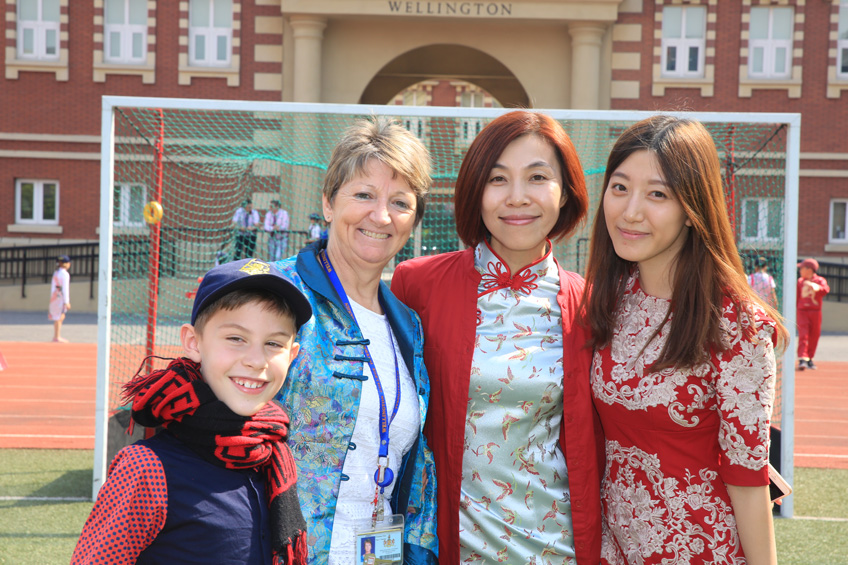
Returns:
(308, 32)
(586, 38)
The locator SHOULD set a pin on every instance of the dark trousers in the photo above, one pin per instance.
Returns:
(245, 245)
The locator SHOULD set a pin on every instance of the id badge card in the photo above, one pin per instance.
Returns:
(382, 544)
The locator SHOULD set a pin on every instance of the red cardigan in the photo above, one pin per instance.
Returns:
(443, 290)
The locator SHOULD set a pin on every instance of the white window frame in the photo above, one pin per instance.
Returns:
(683, 44)
(831, 216)
(417, 125)
(762, 220)
(470, 127)
(39, 29)
(37, 204)
(123, 203)
(842, 42)
(771, 46)
(125, 32)
(211, 35)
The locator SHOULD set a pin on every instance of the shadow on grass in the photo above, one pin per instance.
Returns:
(74, 485)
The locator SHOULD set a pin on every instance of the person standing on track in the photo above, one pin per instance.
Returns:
(60, 296)
(809, 296)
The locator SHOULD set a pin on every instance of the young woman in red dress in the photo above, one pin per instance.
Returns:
(683, 374)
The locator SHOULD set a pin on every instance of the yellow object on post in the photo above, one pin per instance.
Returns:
(153, 212)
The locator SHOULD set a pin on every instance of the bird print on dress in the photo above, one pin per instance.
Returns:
(514, 504)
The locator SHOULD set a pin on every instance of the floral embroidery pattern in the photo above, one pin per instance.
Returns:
(650, 505)
(674, 437)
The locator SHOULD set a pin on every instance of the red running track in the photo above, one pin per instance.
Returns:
(47, 399)
(47, 395)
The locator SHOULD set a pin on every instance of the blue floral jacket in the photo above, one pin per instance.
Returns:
(321, 395)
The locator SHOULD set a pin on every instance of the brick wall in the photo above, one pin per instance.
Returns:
(823, 120)
(36, 103)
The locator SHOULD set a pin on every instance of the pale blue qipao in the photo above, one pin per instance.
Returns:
(515, 506)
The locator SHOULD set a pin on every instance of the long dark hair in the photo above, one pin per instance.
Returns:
(708, 265)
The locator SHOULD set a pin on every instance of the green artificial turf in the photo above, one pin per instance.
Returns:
(43, 529)
(36, 531)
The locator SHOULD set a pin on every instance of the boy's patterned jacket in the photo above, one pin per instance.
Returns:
(321, 396)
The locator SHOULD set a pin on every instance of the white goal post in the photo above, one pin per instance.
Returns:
(181, 151)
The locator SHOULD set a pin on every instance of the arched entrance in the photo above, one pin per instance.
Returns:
(446, 61)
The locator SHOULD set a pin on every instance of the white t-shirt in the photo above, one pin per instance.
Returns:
(314, 231)
(62, 282)
(357, 494)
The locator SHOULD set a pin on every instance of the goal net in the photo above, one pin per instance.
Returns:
(200, 160)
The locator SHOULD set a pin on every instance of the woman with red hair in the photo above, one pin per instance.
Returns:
(517, 442)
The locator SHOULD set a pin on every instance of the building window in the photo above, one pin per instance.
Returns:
(842, 42)
(37, 202)
(128, 205)
(838, 221)
(125, 32)
(470, 127)
(210, 33)
(417, 125)
(762, 219)
(38, 29)
(770, 43)
(684, 31)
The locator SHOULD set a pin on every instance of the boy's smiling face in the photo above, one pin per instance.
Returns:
(244, 354)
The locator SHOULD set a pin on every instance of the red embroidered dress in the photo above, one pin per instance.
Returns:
(674, 438)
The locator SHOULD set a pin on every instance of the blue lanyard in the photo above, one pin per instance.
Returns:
(383, 476)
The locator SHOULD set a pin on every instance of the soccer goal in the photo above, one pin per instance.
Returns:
(174, 172)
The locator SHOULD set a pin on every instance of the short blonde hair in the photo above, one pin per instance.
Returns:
(390, 143)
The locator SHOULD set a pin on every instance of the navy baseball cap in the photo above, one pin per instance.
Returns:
(250, 274)
(63, 259)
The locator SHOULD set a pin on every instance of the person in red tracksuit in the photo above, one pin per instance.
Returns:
(809, 296)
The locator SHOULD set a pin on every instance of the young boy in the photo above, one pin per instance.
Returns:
(809, 296)
(217, 483)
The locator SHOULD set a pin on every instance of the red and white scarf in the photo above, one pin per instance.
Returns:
(178, 400)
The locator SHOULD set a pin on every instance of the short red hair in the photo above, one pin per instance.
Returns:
(487, 149)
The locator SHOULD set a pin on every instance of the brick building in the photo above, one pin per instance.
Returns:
(702, 55)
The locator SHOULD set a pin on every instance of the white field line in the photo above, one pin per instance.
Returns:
(819, 519)
(797, 420)
(52, 388)
(49, 436)
(17, 417)
(49, 401)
